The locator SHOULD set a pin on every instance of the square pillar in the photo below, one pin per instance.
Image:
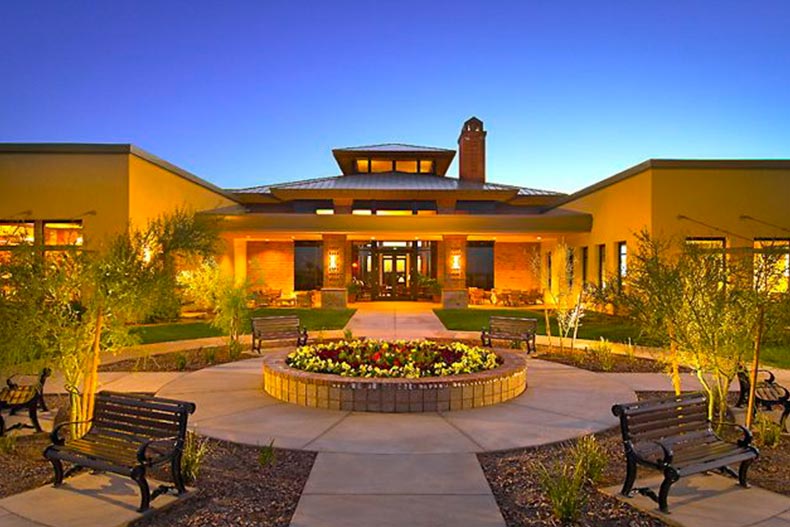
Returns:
(239, 260)
(334, 294)
(454, 292)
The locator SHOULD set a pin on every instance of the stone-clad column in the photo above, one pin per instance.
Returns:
(334, 293)
(454, 292)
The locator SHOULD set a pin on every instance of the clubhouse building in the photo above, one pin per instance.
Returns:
(393, 225)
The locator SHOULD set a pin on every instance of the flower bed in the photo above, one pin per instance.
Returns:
(331, 391)
(404, 359)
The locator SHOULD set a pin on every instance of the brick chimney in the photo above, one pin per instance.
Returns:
(472, 151)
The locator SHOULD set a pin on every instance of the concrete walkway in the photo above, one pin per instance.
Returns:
(396, 320)
(392, 469)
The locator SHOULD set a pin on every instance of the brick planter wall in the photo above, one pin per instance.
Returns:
(431, 394)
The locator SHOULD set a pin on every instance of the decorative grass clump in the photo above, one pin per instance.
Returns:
(401, 358)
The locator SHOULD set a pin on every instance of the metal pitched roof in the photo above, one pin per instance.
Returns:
(393, 181)
(393, 147)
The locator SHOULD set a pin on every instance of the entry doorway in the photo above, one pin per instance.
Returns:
(392, 270)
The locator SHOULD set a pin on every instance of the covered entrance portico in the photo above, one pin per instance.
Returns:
(388, 257)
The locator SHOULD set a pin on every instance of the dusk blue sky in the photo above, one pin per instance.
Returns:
(250, 93)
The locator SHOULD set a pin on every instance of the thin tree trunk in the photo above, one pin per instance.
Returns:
(548, 325)
(755, 367)
(91, 379)
(674, 361)
(576, 319)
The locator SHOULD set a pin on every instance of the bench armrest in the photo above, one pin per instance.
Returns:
(666, 447)
(747, 434)
(141, 452)
(54, 436)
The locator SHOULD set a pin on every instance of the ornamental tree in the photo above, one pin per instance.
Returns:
(69, 308)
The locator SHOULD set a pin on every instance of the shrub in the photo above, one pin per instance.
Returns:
(591, 457)
(234, 350)
(348, 334)
(602, 354)
(767, 432)
(267, 455)
(210, 355)
(563, 484)
(181, 362)
(7, 444)
(196, 448)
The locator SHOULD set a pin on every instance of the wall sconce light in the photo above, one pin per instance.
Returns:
(455, 262)
(333, 261)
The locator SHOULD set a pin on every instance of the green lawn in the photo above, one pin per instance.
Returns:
(593, 326)
(776, 355)
(312, 319)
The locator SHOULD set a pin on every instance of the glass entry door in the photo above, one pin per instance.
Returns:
(394, 276)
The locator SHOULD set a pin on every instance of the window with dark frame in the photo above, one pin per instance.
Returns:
(480, 264)
(602, 264)
(308, 265)
(622, 262)
(569, 266)
(585, 262)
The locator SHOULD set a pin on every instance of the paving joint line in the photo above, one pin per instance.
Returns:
(330, 427)
(463, 433)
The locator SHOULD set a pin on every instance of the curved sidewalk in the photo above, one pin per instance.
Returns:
(560, 403)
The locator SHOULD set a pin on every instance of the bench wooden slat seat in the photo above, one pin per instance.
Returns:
(284, 327)
(673, 435)
(15, 396)
(128, 435)
(768, 394)
(514, 329)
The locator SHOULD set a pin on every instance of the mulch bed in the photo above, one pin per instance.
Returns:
(614, 362)
(25, 468)
(518, 492)
(233, 489)
(189, 360)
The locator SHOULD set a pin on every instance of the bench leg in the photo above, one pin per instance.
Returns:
(57, 466)
(630, 478)
(43, 404)
(742, 473)
(32, 411)
(783, 419)
(663, 493)
(178, 477)
(138, 475)
(2, 426)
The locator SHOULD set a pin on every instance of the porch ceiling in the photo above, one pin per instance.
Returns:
(554, 222)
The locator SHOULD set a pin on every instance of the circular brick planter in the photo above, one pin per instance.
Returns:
(430, 394)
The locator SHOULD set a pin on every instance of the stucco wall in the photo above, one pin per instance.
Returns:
(270, 265)
(154, 191)
(88, 187)
(619, 211)
(718, 198)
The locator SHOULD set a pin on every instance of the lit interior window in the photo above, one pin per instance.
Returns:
(16, 233)
(426, 166)
(362, 212)
(363, 165)
(63, 233)
(393, 213)
(406, 166)
(426, 213)
(324, 212)
(772, 265)
(381, 165)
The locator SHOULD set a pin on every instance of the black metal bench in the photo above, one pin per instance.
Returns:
(514, 329)
(15, 396)
(283, 327)
(673, 435)
(128, 435)
(768, 394)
